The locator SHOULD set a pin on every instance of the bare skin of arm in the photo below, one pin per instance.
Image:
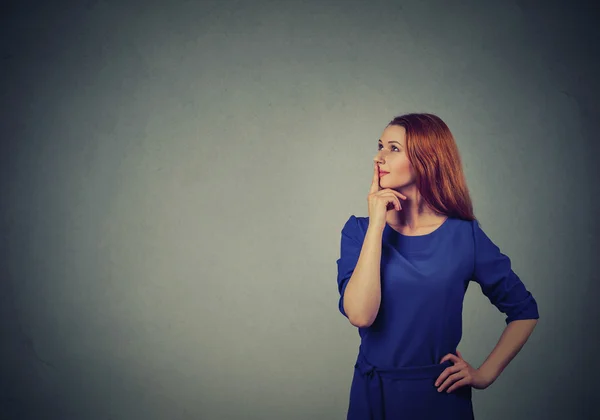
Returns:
(363, 292)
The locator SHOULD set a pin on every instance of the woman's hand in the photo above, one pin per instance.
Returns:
(381, 201)
(460, 374)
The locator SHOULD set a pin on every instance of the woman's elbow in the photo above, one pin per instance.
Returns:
(359, 318)
(360, 321)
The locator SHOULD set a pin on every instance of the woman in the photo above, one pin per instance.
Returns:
(402, 275)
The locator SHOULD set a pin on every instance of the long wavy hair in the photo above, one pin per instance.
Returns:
(434, 155)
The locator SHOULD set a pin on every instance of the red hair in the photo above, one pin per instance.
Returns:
(433, 153)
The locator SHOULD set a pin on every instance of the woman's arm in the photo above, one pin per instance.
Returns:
(362, 296)
(511, 341)
(493, 272)
(462, 373)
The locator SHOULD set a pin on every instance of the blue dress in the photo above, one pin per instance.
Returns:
(423, 283)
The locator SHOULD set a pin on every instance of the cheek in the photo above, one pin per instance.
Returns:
(403, 171)
(403, 167)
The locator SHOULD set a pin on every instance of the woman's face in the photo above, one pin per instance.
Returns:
(392, 158)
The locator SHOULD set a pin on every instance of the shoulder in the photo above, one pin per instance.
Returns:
(466, 224)
(469, 226)
(355, 226)
(455, 224)
(480, 239)
(456, 229)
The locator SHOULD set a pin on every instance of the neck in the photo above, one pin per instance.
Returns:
(414, 214)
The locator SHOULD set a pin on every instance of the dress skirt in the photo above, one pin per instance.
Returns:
(407, 393)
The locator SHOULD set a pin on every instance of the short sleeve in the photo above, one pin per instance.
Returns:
(350, 247)
(498, 281)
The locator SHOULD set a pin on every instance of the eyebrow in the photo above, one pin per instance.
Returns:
(393, 141)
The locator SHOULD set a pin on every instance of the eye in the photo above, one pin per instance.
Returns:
(393, 147)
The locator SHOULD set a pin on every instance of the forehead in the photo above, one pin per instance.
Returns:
(394, 133)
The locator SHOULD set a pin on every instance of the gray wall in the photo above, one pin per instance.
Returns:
(175, 177)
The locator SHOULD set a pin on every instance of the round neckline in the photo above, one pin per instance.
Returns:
(426, 235)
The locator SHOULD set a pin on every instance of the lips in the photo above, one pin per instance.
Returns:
(382, 173)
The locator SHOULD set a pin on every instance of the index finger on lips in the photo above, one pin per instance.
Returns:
(375, 183)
